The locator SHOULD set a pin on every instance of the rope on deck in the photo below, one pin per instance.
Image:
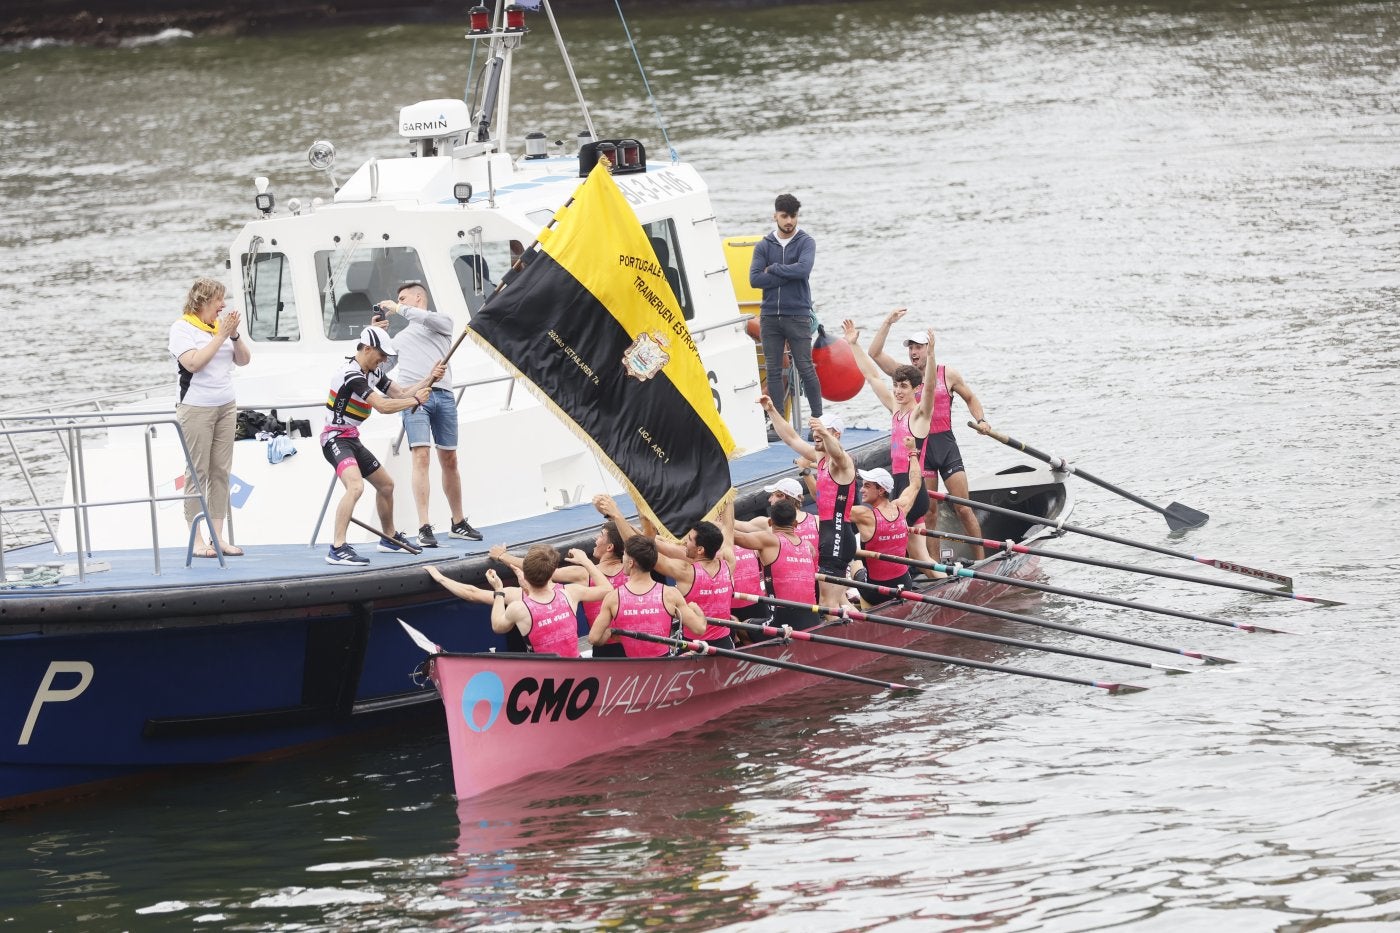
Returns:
(39, 576)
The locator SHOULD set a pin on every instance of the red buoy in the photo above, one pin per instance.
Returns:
(836, 366)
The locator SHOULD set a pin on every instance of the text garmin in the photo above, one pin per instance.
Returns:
(532, 700)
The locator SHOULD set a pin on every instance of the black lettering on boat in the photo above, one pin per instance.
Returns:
(514, 713)
(581, 700)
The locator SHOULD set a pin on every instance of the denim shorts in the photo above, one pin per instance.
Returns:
(435, 421)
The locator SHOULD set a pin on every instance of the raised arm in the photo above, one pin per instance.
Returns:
(916, 475)
(597, 585)
(872, 373)
(923, 411)
(472, 594)
(786, 431)
(841, 467)
(877, 343)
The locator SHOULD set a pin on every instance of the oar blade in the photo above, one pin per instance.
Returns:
(1120, 689)
(1181, 517)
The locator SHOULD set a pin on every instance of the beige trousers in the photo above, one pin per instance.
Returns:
(209, 435)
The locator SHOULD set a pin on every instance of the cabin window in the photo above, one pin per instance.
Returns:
(480, 265)
(271, 306)
(662, 234)
(353, 279)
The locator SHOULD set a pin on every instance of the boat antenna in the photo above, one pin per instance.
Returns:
(675, 157)
(569, 67)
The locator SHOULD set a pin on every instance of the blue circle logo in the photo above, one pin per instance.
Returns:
(487, 688)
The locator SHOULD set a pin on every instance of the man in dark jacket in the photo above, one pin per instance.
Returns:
(782, 264)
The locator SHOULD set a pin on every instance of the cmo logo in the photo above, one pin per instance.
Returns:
(487, 688)
(530, 700)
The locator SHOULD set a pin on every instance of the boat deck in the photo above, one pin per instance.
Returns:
(130, 571)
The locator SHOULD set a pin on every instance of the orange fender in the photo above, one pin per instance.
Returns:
(836, 366)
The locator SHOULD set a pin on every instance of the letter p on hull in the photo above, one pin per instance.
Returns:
(46, 693)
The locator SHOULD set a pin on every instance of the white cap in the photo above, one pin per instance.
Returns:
(376, 337)
(833, 423)
(919, 337)
(880, 477)
(788, 487)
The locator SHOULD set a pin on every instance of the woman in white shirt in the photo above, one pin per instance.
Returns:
(206, 347)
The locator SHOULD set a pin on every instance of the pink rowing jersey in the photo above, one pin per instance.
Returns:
(792, 575)
(713, 595)
(553, 625)
(891, 537)
(810, 529)
(942, 418)
(644, 613)
(748, 576)
(829, 492)
(590, 610)
(899, 454)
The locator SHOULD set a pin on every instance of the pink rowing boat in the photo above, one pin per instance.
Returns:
(510, 715)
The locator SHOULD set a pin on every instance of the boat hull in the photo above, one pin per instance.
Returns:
(509, 716)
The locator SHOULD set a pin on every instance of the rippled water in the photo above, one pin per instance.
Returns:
(1158, 239)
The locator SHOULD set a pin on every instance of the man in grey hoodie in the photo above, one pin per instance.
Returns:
(421, 344)
(781, 266)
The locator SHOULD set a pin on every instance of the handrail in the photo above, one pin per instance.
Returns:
(78, 484)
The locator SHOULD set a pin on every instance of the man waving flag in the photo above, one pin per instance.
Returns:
(592, 326)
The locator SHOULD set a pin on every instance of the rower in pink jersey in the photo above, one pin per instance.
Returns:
(748, 578)
(933, 419)
(900, 398)
(789, 564)
(643, 605)
(790, 489)
(701, 564)
(541, 611)
(836, 478)
(607, 554)
(881, 523)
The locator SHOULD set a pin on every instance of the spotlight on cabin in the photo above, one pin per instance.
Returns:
(263, 200)
(462, 191)
(515, 18)
(321, 155)
(536, 146)
(479, 19)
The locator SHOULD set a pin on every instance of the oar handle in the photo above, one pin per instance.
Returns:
(1056, 462)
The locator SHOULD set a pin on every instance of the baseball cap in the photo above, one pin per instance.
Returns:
(377, 338)
(879, 476)
(787, 486)
(833, 423)
(919, 337)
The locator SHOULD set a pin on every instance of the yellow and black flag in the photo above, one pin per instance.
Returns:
(592, 326)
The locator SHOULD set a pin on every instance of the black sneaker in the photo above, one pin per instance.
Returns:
(464, 530)
(398, 544)
(345, 555)
(426, 538)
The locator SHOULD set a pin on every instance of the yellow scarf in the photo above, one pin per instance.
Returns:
(194, 319)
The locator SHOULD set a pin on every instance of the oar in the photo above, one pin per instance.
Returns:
(412, 548)
(704, 647)
(1270, 576)
(957, 571)
(787, 631)
(1114, 565)
(981, 636)
(1178, 516)
(917, 597)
